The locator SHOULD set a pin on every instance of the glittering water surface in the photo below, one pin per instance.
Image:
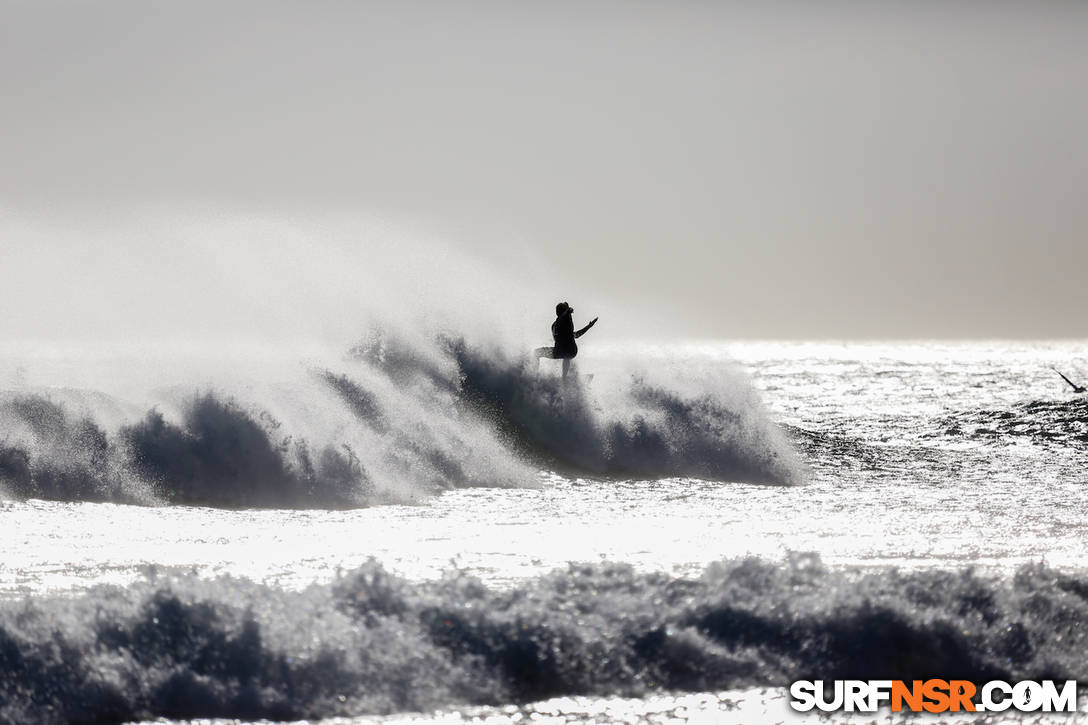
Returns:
(917, 456)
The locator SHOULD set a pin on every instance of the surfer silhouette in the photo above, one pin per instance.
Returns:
(564, 335)
(1076, 388)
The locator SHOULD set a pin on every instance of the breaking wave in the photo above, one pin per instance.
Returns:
(391, 421)
(373, 643)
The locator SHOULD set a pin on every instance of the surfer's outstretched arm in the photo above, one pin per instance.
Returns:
(585, 329)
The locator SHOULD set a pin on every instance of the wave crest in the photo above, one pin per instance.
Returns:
(399, 418)
(625, 423)
(374, 643)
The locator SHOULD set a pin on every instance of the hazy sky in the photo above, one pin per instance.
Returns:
(770, 170)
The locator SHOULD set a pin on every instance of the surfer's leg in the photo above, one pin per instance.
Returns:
(566, 366)
(543, 352)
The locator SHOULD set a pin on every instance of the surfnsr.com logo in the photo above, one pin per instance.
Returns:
(934, 695)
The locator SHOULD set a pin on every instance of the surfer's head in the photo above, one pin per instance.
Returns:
(561, 308)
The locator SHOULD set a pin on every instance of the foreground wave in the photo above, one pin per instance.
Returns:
(392, 421)
(374, 643)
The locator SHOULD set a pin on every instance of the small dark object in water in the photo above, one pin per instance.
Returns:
(1076, 388)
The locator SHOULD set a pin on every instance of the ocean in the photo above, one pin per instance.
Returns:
(420, 528)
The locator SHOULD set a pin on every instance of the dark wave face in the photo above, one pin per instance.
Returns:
(393, 422)
(646, 430)
(373, 643)
(218, 455)
(1042, 421)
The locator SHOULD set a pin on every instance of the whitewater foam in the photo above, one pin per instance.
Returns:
(399, 417)
(372, 642)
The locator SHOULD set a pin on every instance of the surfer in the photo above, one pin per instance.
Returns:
(1076, 388)
(564, 334)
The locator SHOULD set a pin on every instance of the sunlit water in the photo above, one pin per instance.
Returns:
(917, 456)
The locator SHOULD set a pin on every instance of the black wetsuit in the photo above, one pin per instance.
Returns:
(563, 335)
